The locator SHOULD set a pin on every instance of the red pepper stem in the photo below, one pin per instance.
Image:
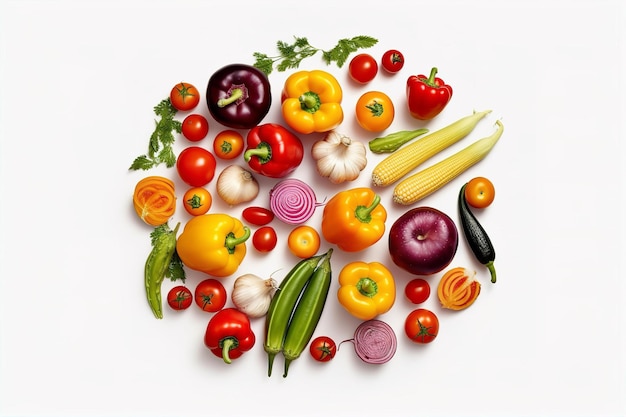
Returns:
(231, 241)
(431, 78)
(228, 344)
(363, 213)
(263, 151)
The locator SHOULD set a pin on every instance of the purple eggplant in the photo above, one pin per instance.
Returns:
(239, 96)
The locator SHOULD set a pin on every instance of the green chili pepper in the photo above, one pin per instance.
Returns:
(157, 264)
(393, 141)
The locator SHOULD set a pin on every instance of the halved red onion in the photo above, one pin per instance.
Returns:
(293, 201)
(375, 342)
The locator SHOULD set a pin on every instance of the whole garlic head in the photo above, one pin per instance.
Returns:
(339, 158)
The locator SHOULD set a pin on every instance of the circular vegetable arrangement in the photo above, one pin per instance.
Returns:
(265, 166)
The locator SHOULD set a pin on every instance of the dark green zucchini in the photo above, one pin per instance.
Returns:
(476, 236)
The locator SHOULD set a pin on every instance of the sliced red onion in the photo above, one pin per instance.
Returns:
(375, 342)
(293, 201)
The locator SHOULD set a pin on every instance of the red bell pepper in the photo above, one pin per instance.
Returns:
(427, 96)
(272, 150)
(228, 334)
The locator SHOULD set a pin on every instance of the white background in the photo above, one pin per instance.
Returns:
(79, 80)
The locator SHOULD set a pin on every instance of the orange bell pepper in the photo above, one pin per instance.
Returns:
(311, 102)
(354, 219)
(366, 290)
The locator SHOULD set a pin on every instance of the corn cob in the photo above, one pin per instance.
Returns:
(429, 180)
(407, 158)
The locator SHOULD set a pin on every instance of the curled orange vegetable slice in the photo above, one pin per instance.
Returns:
(458, 289)
(154, 200)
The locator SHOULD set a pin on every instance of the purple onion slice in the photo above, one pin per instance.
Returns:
(375, 342)
(293, 201)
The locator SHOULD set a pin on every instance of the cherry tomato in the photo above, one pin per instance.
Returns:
(480, 192)
(184, 96)
(374, 111)
(264, 239)
(323, 348)
(421, 326)
(303, 241)
(393, 61)
(210, 295)
(363, 68)
(197, 201)
(228, 144)
(195, 127)
(196, 166)
(179, 298)
(259, 216)
(417, 290)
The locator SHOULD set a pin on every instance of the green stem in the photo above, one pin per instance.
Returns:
(236, 94)
(228, 344)
(310, 102)
(263, 151)
(393, 141)
(431, 78)
(363, 213)
(231, 241)
(367, 287)
(492, 271)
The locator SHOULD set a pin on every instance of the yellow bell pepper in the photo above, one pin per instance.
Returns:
(366, 289)
(354, 219)
(213, 243)
(311, 101)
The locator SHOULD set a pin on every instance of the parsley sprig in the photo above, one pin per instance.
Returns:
(160, 146)
(291, 54)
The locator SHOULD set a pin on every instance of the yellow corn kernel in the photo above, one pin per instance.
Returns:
(429, 180)
(407, 158)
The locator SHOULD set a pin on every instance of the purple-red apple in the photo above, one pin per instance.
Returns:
(423, 241)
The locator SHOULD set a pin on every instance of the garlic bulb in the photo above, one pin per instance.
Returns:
(237, 185)
(252, 294)
(338, 157)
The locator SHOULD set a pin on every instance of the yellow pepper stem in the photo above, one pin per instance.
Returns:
(310, 102)
(231, 241)
(367, 286)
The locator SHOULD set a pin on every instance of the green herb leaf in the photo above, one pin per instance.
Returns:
(158, 231)
(175, 270)
(160, 144)
(291, 55)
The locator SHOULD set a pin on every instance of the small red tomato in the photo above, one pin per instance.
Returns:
(421, 326)
(179, 298)
(264, 239)
(323, 348)
(210, 295)
(195, 127)
(417, 290)
(184, 96)
(259, 216)
(363, 68)
(393, 61)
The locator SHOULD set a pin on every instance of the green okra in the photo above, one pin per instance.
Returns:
(157, 264)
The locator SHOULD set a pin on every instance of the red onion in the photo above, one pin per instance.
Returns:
(375, 342)
(293, 201)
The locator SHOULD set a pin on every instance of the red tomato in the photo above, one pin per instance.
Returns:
(480, 192)
(393, 61)
(184, 96)
(195, 127)
(421, 326)
(259, 216)
(264, 239)
(196, 166)
(363, 68)
(210, 295)
(179, 298)
(323, 348)
(228, 144)
(417, 290)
